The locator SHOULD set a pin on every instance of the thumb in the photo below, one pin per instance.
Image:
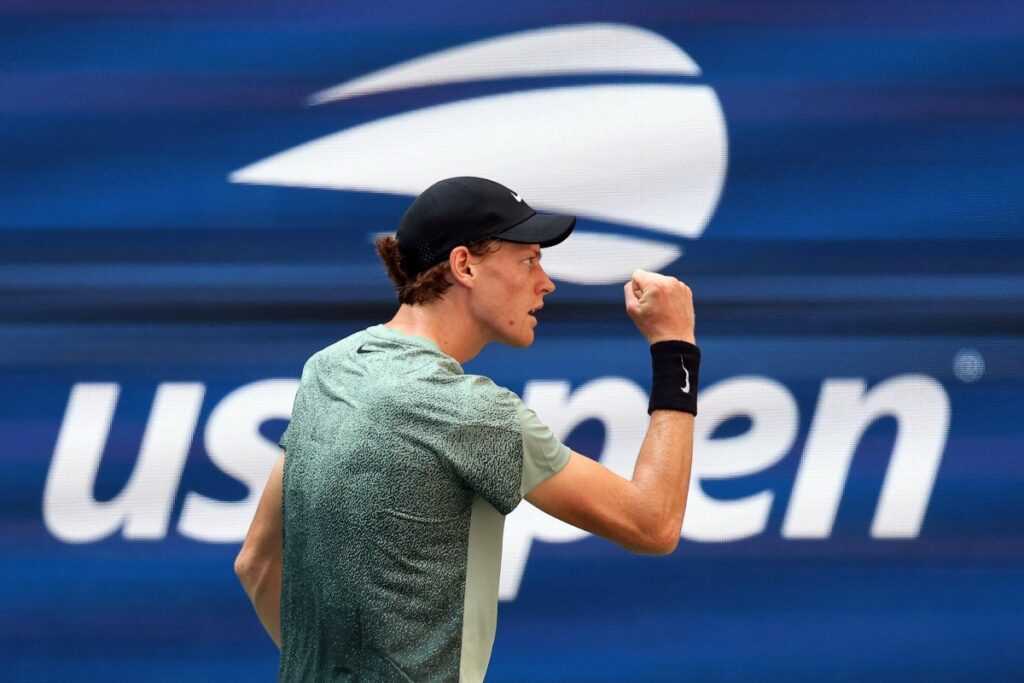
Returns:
(631, 292)
(642, 282)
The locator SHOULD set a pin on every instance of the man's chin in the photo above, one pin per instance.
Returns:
(520, 342)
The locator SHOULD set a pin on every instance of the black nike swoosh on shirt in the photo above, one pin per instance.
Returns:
(363, 349)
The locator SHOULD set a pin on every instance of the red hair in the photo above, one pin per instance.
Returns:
(431, 283)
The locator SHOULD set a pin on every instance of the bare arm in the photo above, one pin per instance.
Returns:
(258, 565)
(644, 514)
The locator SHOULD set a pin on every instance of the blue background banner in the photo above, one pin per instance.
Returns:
(183, 223)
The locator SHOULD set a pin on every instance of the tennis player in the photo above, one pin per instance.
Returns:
(375, 550)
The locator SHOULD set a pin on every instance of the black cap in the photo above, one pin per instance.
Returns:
(462, 211)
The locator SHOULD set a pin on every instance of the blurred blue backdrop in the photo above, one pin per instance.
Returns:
(864, 239)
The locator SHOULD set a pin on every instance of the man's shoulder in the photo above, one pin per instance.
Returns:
(337, 351)
(343, 345)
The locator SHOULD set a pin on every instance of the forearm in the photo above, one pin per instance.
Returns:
(661, 478)
(262, 583)
(258, 565)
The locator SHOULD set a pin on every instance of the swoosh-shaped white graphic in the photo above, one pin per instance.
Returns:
(555, 51)
(645, 155)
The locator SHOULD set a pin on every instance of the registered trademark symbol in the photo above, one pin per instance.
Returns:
(968, 365)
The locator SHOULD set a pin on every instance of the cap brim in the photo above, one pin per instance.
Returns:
(543, 229)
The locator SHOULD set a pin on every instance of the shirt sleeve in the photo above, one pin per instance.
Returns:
(543, 454)
(488, 460)
(474, 426)
(299, 404)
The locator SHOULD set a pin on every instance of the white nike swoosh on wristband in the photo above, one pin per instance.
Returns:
(685, 389)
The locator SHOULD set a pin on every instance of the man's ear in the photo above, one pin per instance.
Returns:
(461, 267)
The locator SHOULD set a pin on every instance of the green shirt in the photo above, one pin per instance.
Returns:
(399, 470)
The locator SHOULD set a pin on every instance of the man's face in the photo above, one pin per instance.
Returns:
(511, 286)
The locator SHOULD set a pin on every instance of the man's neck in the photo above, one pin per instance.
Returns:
(454, 334)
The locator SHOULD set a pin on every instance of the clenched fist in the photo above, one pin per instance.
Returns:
(661, 306)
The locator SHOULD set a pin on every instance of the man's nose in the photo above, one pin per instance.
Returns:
(548, 285)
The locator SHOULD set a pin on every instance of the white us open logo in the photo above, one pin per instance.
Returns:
(650, 156)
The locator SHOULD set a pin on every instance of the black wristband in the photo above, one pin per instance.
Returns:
(675, 369)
